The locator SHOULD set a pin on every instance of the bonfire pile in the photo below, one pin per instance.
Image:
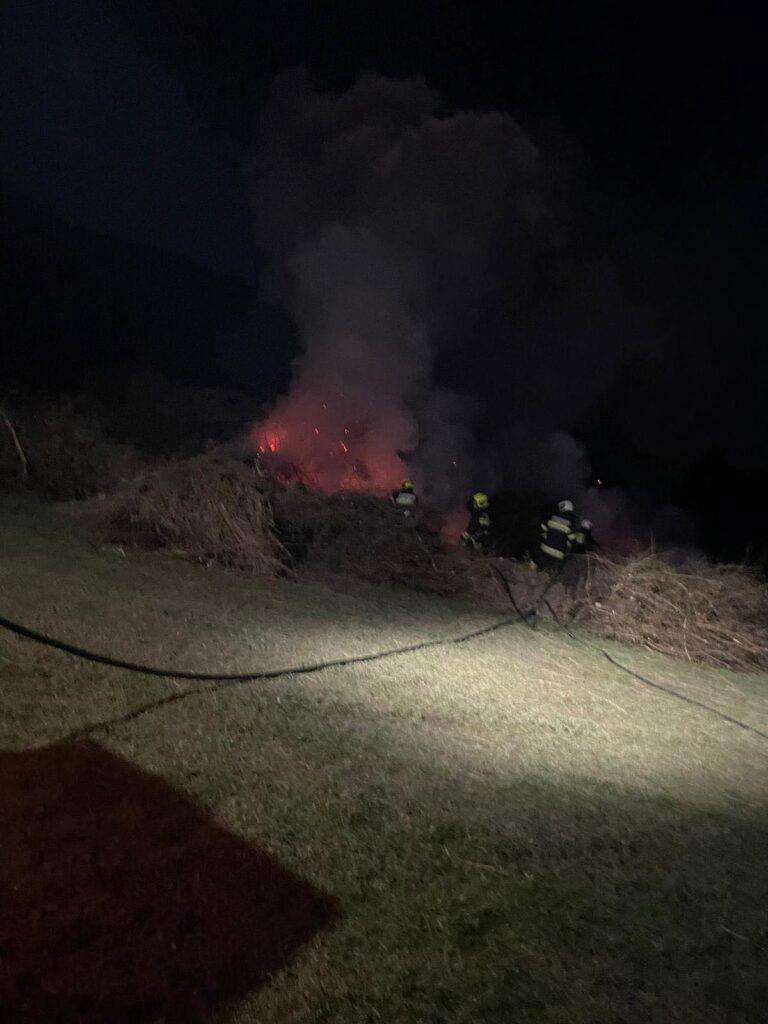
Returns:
(208, 508)
(354, 533)
(217, 509)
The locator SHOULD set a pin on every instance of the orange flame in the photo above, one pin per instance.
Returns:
(299, 444)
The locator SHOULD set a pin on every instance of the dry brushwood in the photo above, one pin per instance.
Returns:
(365, 537)
(207, 507)
(214, 508)
(65, 452)
(717, 615)
(16, 444)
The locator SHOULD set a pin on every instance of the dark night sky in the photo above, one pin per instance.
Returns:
(126, 126)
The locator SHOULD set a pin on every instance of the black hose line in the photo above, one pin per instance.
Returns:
(220, 679)
(684, 697)
(657, 686)
(523, 616)
(245, 677)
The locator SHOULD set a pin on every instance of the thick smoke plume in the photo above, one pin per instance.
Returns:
(446, 326)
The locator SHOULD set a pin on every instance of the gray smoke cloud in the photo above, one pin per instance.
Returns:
(427, 262)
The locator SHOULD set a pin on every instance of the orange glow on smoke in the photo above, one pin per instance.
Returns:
(308, 442)
(455, 524)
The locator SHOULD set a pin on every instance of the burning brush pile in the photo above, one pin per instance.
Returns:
(216, 508)
(357, 534)
(330, 447)
(219, 509)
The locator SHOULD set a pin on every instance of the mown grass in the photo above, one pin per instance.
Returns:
(514, 830)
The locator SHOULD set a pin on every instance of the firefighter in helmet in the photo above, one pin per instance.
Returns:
(557, 537)
(478, 532)
(405, 499)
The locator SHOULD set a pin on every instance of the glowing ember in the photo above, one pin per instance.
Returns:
(309, 441)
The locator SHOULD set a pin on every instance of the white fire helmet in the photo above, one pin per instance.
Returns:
(586, 524)
(565, 506)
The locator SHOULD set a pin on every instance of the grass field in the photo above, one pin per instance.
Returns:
(513, 829)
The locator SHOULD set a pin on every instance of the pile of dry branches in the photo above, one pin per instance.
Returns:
(716, 615)
(215, 508)
(208, 508)
(365, 537)
(60, 451)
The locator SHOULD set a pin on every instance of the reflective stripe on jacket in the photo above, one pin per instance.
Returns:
(405, 499)
(557, 536)
(553, 552)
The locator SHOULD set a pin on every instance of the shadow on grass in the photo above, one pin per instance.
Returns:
(122, 901)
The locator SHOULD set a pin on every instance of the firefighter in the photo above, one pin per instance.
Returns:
(478, 532)
(583, 538)
(405, 499)
(557, 537)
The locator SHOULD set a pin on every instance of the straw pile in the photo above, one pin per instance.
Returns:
(216, 509)
(208, 508)
(713, 614)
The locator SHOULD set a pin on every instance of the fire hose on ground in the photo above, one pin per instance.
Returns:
(220, 680)
(529, 619)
